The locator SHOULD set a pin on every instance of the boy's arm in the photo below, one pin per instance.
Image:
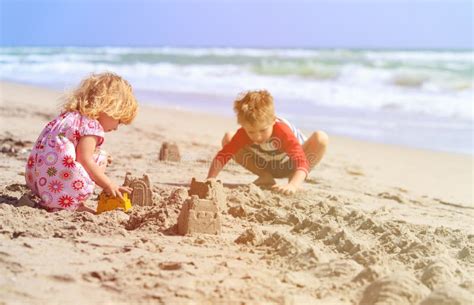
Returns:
(238, 141)
(298, 177)
(291, 145)
(215, 168)
(296, 153)
(293, 185)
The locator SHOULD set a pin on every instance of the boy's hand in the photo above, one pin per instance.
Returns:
(288, 189)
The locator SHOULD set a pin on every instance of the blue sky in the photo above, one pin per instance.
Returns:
(231, 23)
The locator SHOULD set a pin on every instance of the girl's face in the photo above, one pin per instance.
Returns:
(259, 133)
(107, 122)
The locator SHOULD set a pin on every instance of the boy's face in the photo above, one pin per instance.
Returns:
(260, 132)
(107, 122)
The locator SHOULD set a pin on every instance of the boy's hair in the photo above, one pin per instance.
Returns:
(104, 92)
(254, 107)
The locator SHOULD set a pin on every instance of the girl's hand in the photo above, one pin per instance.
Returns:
(116, 191)
(288, 189)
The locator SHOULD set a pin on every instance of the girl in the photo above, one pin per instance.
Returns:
(66, 161)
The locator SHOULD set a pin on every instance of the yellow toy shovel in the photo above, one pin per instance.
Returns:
(108, 203)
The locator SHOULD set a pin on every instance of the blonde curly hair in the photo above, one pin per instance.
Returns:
(105, 92)
(254, 107)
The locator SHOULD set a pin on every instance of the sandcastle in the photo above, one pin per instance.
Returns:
(200, 213)
(141, 194)
(169, 152)
(199, 216)
(212, 189)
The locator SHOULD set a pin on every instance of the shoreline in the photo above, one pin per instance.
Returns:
(330, 119)
(384, 126)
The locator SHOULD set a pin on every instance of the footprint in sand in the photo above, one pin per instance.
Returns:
(170, 265)
(354, 171)
(17, 187)
(63, 278)
(449, 294)
(312, 180)
(9, 264)
(437, 274)
(387, 195)
(396, 289)
(12, 147)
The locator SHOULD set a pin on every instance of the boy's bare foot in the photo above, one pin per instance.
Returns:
(265, 181)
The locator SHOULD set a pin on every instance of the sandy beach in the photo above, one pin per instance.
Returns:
(373, 224)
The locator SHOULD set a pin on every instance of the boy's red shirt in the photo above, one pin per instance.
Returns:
(282, 137)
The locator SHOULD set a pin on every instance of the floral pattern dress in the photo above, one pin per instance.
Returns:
(52, 171)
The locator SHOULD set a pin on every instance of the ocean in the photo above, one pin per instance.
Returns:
(414, 98)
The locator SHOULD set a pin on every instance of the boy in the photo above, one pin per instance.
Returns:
(268, 146)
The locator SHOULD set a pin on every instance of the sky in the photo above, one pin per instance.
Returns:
(382, 24)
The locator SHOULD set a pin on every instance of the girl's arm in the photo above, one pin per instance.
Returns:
(85, 155)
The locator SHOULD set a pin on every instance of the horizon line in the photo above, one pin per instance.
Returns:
(244, 47)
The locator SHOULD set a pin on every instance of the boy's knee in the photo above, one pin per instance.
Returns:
(321, 138)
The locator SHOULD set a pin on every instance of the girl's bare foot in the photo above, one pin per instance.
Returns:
(28, 199)
(265, 180)
(109, 160)
(83, 208)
